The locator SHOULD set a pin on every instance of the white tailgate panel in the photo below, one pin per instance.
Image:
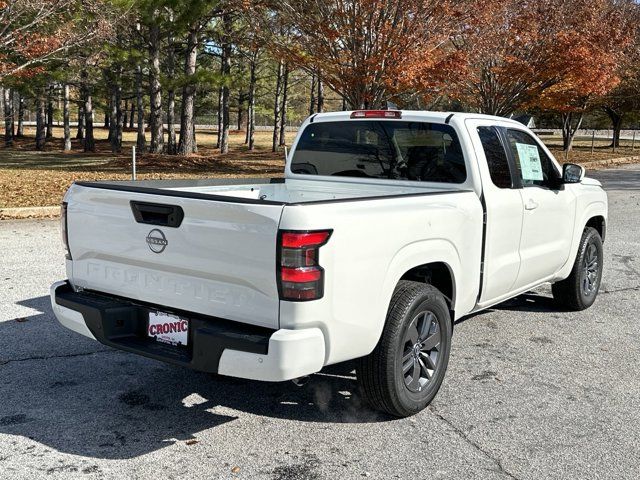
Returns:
(221, 261)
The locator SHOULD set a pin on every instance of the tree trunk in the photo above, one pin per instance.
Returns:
(171, 100)
(241, 110)
(320, 94)
(141, 141)
(115, 120)
(251, 116)
(276, 107)
(569, 130)
(186, 145)
(131, 114)
(616, 122)
(41, 135)
(8, 117)
(65, 118)
(155, 91)
(50, 113)
(195, 140)
(312, 99)
(283, 109)
(110, 115)
(80, 131)
(89, 141)
(171, 121)
(219, 113)
(226, 72)
(20, 130)
(125, 113)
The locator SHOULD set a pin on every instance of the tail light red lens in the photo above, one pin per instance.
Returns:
(63, 228)
(300, 277)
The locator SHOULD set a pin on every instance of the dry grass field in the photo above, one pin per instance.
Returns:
(29, 178)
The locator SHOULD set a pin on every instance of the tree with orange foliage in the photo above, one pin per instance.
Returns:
(551, 53)
(598, 35)
(35, 31)
(368, 50)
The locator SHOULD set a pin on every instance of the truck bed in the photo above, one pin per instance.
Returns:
(274, 191)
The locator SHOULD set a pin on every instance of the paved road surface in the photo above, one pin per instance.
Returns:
(530, 392)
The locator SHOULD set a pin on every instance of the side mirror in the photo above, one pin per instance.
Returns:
(572, 173)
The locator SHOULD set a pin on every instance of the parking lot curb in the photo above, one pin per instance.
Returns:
(611, 162)
(29, 212)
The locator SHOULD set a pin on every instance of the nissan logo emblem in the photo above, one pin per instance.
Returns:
(157, 241)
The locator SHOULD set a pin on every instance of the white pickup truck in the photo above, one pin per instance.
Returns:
(387, 227)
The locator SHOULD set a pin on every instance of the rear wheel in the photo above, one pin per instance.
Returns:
(580, 289)
(404, 372)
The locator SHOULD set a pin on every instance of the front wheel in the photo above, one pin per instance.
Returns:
(404, 372)
(580, 289)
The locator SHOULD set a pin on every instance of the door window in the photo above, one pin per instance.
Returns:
(533, 165)
(496, 157)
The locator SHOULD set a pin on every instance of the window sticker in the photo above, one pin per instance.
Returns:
(530, 164)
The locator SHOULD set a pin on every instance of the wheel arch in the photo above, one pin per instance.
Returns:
(599, 223)
(438, 274)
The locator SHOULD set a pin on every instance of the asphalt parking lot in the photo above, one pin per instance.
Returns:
(531, 392)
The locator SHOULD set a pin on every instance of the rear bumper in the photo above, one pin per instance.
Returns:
(215, 345)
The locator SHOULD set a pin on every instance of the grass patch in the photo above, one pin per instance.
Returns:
(30, 178)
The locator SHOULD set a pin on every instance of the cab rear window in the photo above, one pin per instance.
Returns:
(417, 151)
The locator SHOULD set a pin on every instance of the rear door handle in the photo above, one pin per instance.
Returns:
(531, 204)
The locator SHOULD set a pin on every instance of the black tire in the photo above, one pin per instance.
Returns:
(580, 289)
(384, 381)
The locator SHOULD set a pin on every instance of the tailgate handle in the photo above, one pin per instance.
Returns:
(157, 214)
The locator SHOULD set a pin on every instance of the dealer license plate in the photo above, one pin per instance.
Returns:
(167, 328)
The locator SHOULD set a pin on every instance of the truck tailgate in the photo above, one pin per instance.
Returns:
(220, 260)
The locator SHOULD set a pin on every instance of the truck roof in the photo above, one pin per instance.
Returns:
(440, 117)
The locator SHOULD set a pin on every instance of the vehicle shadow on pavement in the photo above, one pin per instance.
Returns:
(77, 396)
(529, 302)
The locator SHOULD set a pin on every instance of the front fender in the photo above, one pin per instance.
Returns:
(593, 209)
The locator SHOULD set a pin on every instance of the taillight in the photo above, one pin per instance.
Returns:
(300, 276)
(63, 228)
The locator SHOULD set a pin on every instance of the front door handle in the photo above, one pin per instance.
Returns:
(531, 204)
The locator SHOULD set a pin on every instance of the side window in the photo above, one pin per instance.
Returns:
(533, 164)
(496, 157)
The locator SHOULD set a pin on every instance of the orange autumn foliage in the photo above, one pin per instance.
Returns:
(368, 50)
(543, 53)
